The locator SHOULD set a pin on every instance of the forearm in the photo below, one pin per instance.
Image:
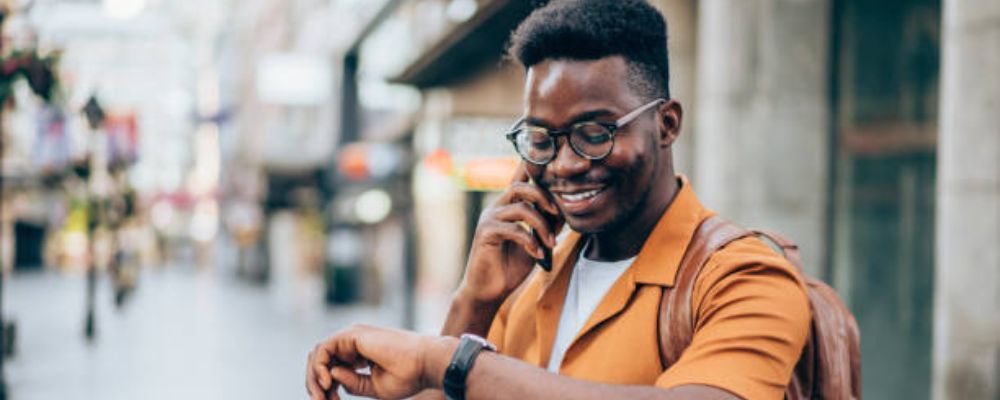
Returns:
(469, 316)
(522, 381)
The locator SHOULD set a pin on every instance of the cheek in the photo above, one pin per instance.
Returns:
(632, 171)
(630, 160)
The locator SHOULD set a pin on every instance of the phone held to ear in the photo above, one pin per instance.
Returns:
(546, 261)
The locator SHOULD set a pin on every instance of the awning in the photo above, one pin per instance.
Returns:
(471, 46)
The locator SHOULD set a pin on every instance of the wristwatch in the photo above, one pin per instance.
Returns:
(469, 346)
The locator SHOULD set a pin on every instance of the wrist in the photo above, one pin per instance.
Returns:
(475, 300)
(463, 360)
(437, 355)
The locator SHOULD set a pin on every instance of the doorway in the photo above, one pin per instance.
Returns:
(885, 100)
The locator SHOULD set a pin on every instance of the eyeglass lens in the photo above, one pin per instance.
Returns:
(590, 140)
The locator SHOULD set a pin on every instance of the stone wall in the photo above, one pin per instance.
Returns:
(761, 147)
(966, 320)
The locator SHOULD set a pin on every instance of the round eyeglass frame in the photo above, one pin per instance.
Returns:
(553, 134)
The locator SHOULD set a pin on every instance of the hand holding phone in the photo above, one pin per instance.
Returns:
(514, 233)
(554, 222)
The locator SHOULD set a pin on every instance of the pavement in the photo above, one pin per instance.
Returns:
(186, 333)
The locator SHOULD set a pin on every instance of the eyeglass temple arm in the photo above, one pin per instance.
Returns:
(515, 125)
(621, 121)
(632, 115)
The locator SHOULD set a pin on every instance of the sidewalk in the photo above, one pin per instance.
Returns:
(185, 334)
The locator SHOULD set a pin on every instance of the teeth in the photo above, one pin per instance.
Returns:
(579, 196)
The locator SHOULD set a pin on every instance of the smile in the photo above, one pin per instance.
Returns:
(580, 196)
(579, 201)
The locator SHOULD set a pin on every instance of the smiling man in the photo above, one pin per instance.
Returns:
(596, 141)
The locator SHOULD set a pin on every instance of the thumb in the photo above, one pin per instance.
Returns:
(354, 382)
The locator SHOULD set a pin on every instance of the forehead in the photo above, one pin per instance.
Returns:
(557, 90)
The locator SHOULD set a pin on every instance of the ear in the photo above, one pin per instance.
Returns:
(670, 115)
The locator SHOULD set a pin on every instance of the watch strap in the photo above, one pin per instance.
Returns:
(469, 347)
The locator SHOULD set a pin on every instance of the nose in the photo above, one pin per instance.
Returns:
(567, 163)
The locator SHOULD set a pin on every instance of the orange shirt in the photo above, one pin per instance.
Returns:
(750, 307)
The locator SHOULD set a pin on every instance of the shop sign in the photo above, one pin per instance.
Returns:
(371, 161)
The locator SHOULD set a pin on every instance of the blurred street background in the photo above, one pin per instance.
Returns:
(194, 193)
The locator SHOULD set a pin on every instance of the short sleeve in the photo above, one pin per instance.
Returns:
(751, 322)
(498, 327)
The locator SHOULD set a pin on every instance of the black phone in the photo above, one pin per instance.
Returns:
(546, 261)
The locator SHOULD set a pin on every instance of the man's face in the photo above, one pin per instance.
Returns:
(560, 93)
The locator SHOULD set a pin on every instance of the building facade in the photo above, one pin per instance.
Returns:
(867, 131)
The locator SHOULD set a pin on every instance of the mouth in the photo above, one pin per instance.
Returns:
(579, 196)
(578, 201)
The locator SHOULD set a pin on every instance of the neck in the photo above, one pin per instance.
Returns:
(625, 240)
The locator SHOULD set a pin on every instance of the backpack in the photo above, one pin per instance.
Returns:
(830, 364)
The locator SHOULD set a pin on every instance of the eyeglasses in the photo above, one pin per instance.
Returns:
(592, 140)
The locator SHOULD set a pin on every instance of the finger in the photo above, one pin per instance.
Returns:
(522, 212)
(320, 363)
(510, 231)
(311, 386)
(520, 173)
(353, 382)
(331, 393)
(321, 376)
(534, 194)
(345, 351)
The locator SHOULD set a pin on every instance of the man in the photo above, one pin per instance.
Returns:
(596, 140)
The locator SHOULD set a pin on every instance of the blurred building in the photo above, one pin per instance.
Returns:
(853, 126)
(347, 147)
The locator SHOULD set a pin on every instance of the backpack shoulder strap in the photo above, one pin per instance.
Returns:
(830, 364)
(788, 248)
(675, 321)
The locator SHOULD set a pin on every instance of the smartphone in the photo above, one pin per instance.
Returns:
(546, 261)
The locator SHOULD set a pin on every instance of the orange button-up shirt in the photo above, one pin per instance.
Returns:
(750, 307)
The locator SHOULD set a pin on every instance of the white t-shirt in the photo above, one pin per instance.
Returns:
(589, 282)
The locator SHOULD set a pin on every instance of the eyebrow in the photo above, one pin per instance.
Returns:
(581, 117)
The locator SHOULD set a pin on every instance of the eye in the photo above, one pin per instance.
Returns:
(541, 144)
(593, 134)
(536, 138)
(597, 139)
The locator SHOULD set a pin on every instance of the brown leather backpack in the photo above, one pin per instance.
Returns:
(830, 365)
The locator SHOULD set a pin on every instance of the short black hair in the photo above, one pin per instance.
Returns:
(594, 29)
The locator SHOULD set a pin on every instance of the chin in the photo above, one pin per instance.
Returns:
(587, 225)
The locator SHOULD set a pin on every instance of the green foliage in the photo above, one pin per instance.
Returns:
(38, 70)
